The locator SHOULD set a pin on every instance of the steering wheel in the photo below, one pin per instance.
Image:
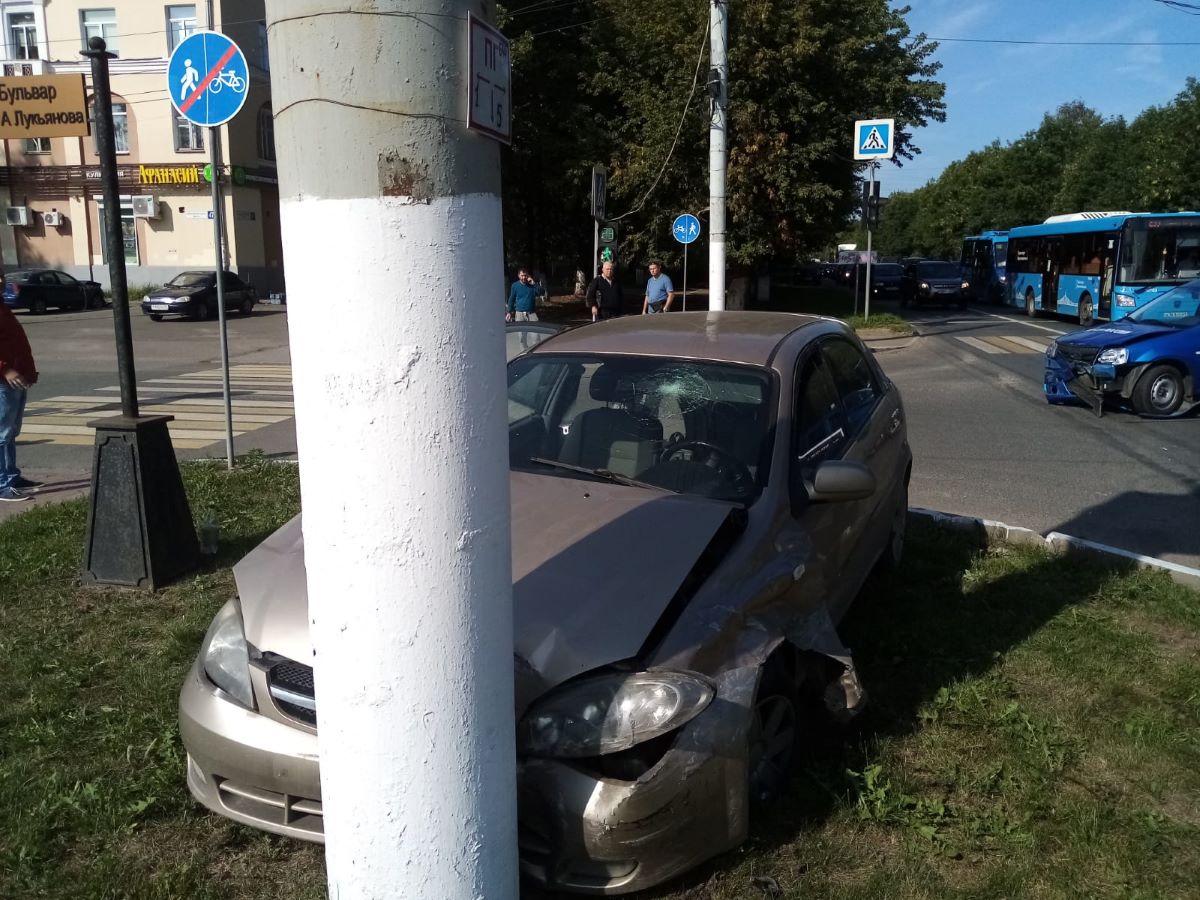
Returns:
(731, 469)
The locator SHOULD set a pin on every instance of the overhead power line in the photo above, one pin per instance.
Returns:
(1191, 9)
(958, 40)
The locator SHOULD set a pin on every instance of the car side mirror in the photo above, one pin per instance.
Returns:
(838, 481)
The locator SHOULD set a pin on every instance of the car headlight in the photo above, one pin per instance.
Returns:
(1117, 356)
(966, 285)
(226, 655)
(924, 285)
(1052, 349)
(1004, 279)
(612, 712)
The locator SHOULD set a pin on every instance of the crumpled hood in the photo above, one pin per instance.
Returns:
(1114, 334)
(594, 566)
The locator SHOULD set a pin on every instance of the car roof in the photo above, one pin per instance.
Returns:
(751, 338)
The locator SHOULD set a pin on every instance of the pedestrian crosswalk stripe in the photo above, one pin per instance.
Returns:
(1004, 343)
(980, 345)
(261, 396)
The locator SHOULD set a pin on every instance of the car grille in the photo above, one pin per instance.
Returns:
(1077, 355)
(301, 813)
(291, 686)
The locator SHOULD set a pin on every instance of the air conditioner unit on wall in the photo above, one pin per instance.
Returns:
(53, 219)
(17, 215)
(145, 207)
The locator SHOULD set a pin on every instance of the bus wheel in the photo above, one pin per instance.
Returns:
(1159, 392)
(1030, 308)
(1085, 310)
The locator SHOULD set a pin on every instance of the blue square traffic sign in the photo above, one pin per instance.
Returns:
(207, 78)
(874, 138)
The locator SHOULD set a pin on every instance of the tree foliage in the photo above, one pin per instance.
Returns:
(607, 82)
(1074, 161)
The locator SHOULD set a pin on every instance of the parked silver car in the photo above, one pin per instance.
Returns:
(734, 478)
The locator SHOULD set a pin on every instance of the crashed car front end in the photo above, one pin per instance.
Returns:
(1079, 373)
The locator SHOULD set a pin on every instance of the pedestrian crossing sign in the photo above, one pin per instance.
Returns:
(874, 138)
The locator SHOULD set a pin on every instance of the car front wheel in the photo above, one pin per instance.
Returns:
(1159, 392)
(772, 739)
(37, 306)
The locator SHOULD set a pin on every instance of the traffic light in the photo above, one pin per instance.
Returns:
(870, 204)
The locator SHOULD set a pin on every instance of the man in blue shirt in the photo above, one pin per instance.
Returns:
(522, 298)
(659, 291)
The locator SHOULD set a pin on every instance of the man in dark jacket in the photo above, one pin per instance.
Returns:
(17, 374)
(604, 295)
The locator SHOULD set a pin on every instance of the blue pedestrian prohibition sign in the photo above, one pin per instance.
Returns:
(207, 78)
(685, 228)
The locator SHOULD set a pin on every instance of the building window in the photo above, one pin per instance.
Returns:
(37, 145)
(266, 133)
(100, 23)
(181, 21)
(264, 60)
(188, 135)
(128, 231)
(23, 36)
(120, 114)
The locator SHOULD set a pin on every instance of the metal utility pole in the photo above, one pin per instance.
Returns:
(401, 429)
(214, 150)
(870, 201)
(718, 24)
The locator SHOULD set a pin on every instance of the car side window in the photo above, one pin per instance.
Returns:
(855, 381)
(64, 279)
(818, 431)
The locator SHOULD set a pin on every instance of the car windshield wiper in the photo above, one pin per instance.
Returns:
(601, 474)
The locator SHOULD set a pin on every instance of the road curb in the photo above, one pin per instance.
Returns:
(990, 532)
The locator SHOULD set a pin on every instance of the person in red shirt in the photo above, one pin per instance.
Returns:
(17, 374)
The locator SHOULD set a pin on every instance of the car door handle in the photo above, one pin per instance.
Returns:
(895, 423)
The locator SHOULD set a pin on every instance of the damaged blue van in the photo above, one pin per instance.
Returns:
(1150, 359)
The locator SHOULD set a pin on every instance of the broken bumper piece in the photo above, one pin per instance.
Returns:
(583, 830)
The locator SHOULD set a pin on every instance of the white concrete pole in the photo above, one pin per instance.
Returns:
(401, 426)
(718, 24)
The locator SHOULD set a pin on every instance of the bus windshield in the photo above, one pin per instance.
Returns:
(1158, 250)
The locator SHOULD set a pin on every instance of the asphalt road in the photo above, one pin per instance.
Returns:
(987, 444)
(177, 368)
(985, 441)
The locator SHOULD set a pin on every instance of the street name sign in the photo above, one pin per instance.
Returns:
(207, 78)
(874, 138)
(685, 228)
(489, 81)
(34, 106)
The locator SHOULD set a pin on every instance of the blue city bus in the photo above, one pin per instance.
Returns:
(983, 260)
(1100, 266)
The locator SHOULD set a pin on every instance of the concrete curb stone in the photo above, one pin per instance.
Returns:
(989, 532)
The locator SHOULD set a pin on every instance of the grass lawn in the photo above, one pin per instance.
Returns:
(1034, 731)
(826, 300)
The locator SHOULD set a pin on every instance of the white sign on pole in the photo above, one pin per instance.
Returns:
(489, 81)
(874, 138)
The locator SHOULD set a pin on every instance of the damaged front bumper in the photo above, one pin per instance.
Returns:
(1065, 382)
(585, 831)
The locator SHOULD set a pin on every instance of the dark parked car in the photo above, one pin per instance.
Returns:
(885, 279)
(934, 281)
(658, 691)
(1150, 358)
(37, 290)
(193, 295)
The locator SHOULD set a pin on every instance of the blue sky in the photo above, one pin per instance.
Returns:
(1000, 92)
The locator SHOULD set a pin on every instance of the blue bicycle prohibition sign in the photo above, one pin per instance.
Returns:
(207, 78)
(685, 228)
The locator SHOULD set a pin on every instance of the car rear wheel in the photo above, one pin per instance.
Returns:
(37, 306)
(773, 728)
(1159, 392)
(1085, 310)
(247, 306)
(1030, 306)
